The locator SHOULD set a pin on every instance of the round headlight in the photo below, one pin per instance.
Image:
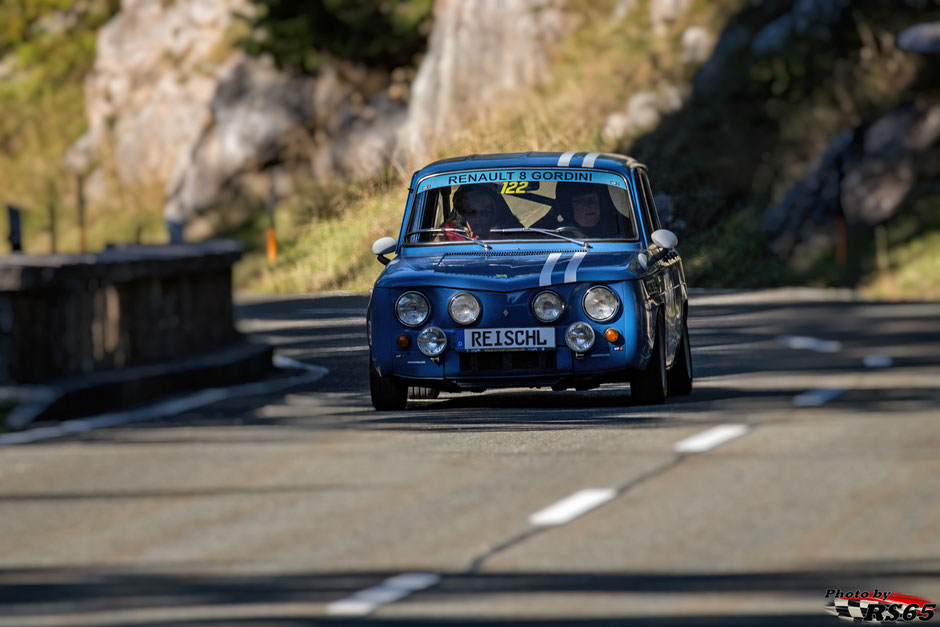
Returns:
(464, 308)
(412, 309)
(432, 341)
(547, 306)
(579, 337)
(600, 303)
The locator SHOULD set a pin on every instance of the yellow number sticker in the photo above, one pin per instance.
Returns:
(514, 187)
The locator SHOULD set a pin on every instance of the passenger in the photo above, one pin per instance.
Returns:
(479, 210)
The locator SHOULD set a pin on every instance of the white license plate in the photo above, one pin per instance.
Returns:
(539, 338)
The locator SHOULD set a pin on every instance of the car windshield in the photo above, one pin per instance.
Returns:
(498, 204)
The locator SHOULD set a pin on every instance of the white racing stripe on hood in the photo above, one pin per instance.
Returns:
(545, 278)
(571, 272)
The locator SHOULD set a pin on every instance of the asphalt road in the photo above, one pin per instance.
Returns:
(817, 470)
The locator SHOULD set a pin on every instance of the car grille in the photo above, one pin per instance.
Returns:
(507, 360)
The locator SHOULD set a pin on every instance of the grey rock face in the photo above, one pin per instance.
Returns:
(171, 104)
(665, 12)
(697, 43)
(809, 203)
(479, 53)
(774, 37)
(922, 38)
(147, 97)
(811, 14)
(873, 189)
(260, 113)
(864, 176)
(643, 112)
(622, 10)
(733, 40)
(806, 18)
(254, 105)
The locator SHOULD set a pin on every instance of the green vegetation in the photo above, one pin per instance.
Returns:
(723, 158)
(727, 154)
(46, 49)
(378, 33)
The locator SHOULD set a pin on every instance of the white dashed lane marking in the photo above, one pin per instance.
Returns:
(815, 398)
(393, 589)
(878, 361)
(810, 343)
(709, 439)
(572, 506)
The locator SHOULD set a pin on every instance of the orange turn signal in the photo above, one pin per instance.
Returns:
(612, 335)
(403, 341)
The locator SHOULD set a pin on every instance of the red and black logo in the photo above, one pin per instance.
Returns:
(878, 606)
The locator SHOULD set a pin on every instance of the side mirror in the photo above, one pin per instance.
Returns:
(665, 240)
(382, 247)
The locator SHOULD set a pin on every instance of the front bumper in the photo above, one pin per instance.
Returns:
(463, 370)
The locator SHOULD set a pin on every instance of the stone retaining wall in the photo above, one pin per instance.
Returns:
(65, 315)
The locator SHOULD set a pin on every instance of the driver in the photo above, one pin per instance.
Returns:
(586, 211)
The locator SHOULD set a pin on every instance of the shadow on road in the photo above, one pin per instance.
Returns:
(249, 600)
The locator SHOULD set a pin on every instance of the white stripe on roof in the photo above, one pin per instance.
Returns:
(565, 159)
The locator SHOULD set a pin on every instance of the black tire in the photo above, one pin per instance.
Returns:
(420, 393)
(387, 393)
(680, 375)
(650, 386)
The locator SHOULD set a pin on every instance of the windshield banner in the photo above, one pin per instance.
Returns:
(502, 176)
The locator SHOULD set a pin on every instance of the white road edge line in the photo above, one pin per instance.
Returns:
(392, 589)
(810, 343)
(572, 506)
(171, 407)
(815, 398)
(710, 438)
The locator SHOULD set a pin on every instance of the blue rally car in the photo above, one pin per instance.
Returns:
(529, 270)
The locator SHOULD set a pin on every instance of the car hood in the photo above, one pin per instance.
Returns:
(508, 271)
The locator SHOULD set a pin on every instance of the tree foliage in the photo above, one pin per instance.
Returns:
(378, 33)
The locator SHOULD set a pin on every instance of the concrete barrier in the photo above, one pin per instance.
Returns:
(67, 319)
(63, 315)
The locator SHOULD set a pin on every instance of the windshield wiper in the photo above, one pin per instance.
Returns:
(528, 229)
(465, 232)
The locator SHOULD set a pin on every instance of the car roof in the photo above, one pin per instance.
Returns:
(531, 160)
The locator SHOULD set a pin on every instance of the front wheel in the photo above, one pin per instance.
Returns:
(680, 376)
(649, 387)
(387, 393)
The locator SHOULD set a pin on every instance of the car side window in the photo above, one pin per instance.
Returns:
(649, 200)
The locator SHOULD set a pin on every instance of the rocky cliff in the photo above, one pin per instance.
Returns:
(479, 53)
(172, 102)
